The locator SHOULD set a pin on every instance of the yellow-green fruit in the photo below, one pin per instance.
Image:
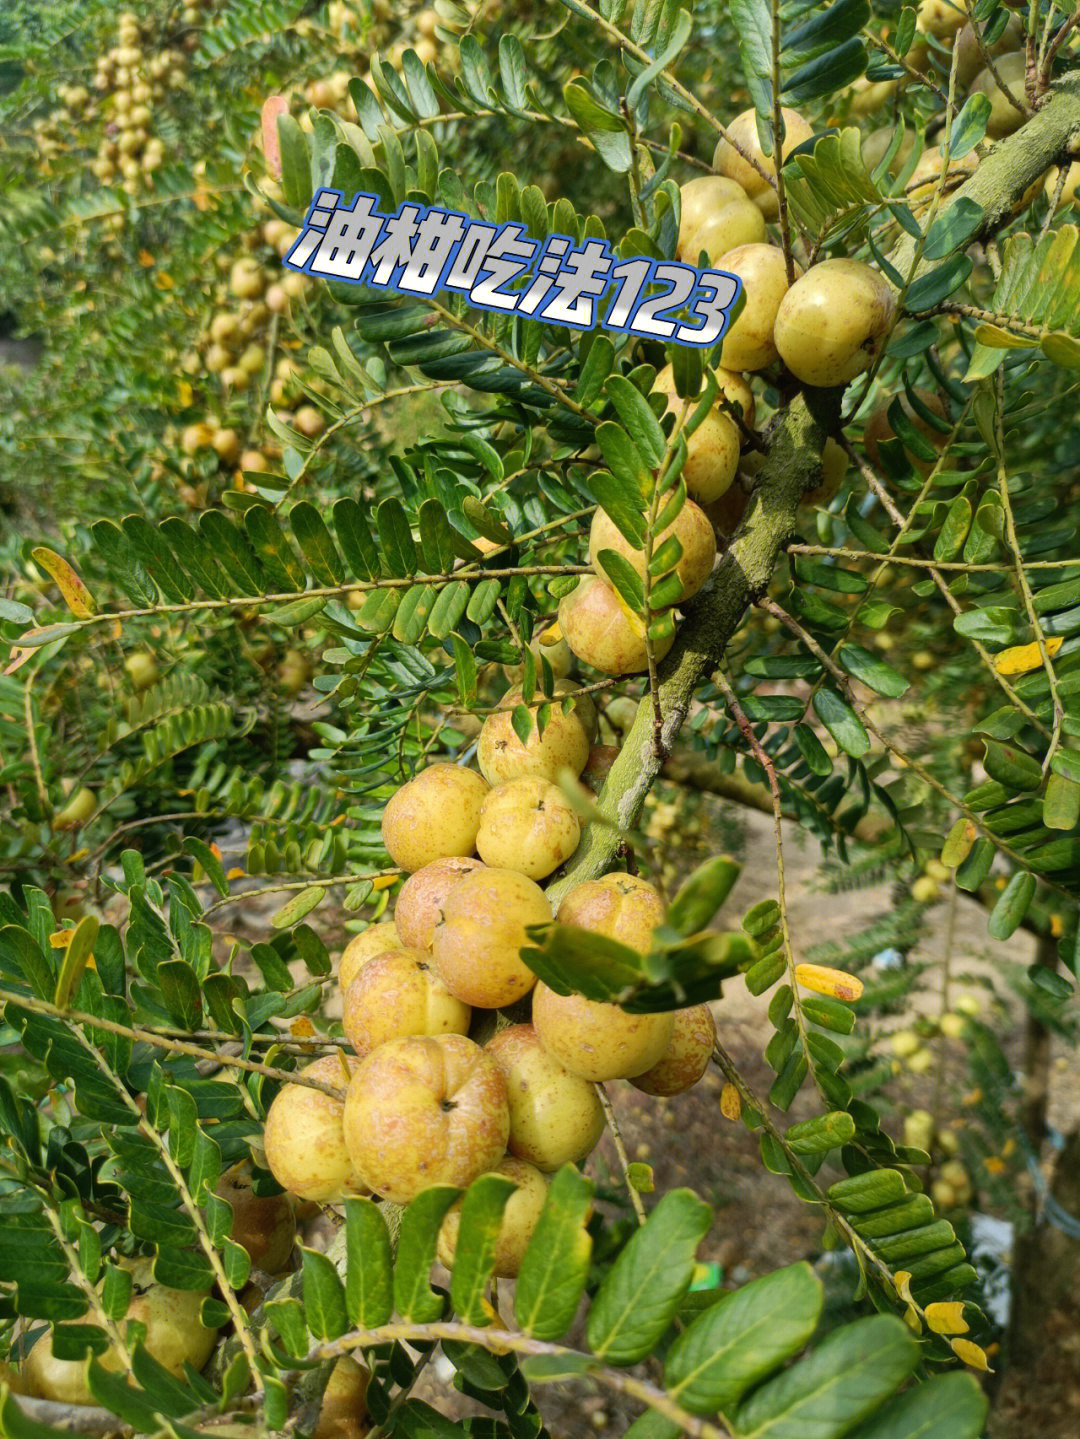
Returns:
(834, 466)
(904, 1043)
(954, 1026)
(421, 899)
(925, 178)
(399, 993)
(925, 890)
(435, 815)
(832, 323)
(687, 1056)
(376, 939)
(690, 527)
(748, 344)
(555, 1117)
(304, 1140)
(246, 279)
(343, 1413)
(309, 421)
(293, 672)
(970, 58)
(712, 451)
(555, 651)
(80, 806)
(1004, 115)
(529, 826)
(599, 1041)
(921, 1061)
(868, 96)
(621, 906)
(519, 1220)
(264, 1225)
(744, 141)
(717, 226)
(563, 745)
(936, 870)
(477, 944)
(61, 1380)
(141, 669)
(226, 444)
(943, 1195)
(426, 1110)
(603, 633)
(878, 428)
(941, 18)
(1069, 189)
(918, 1123)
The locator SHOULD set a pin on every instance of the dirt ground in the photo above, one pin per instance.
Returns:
(759, 1224)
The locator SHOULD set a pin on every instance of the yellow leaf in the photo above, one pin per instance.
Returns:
(993, 1165)
(60, 939)
(384, 881)
(947, 1317)
(78, 855)
(1020, 659)
(164, 281)
(971, 1354)
(1001, 339)
(834, 982)
(237, 872)
(184, 393)
(552, 635)
(902, 1280)
(302, 1028)
(912, 1320)
(78, 598)
(146, 260)
(730, 1103)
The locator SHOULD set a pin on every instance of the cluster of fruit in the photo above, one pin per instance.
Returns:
(425, 1103)
(132, 80)
(952, 1187)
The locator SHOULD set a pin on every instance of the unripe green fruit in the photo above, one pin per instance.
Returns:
(832, 323)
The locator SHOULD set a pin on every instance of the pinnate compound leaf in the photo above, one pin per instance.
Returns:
(474, 1255)
(369, 1277)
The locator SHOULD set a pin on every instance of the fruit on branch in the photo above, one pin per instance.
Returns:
(293, 672)
(748, 344)
(423, 1111)
(175, 1336)
(712, 451)
(142, 669)
(555, 1117)
(246, 279)
(925, 178)
(309, 421)
(564, 743)
(433, 816)
(304, 1139)
(420, 901)
(1005, 118)
(344, 1411)
(555, 651)
(80, 805)
(598, 765)
(687, 1056)
(598, 1041)
(264, 1225)
(878, 427)
(971, 58)
(690, 527)
(527, 825)
(399, 993)
(832, 323)
(716, 216)
(621, 906)
(477, 941)
(868, 96)
(834, 466)
(743, 137)
(1070, 187)
(941, 18)
(519, 1219)
(376, 939)
(603, 633)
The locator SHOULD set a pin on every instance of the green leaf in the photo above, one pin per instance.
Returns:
(79, 949)
(1011, 766)
(295, 163)
(949, 1406)
(414, 1298)
(607, 131)
(624, 579)
(843, 1381)
(638, 419)
(556, 1263)
(751, 22)
(743, 1339)
(300, 905)
(369, 1272)
(842, 723)
(872, 1190)
(323, 1296)
(314, 539)
(623, 504)
(643, 1289)
(474, 1254)
(702, 893)
(872, 671)
(969, 126)
(1061, 806)
(954, 228)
